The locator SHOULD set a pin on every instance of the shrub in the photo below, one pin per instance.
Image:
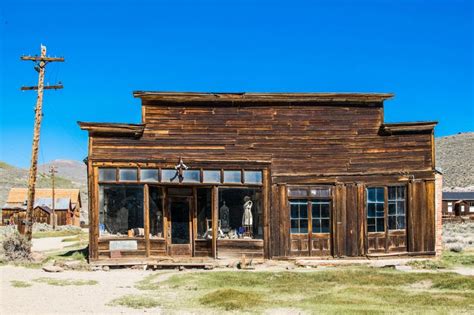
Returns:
(457, 248)
(16, 247)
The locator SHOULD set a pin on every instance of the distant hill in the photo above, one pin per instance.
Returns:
(71, 174)
(455, 156)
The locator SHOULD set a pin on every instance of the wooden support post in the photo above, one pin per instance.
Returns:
(52, 171)
(266, 213)
(42, 61)
(215, 217)
(146, 208)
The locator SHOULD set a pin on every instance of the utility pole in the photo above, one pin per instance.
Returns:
(41, 62)
(52, 171)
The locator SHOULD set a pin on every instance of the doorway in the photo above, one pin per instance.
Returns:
(180, 211)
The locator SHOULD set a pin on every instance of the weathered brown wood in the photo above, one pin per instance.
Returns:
(266, 211)
(215, 214)
(146, 204)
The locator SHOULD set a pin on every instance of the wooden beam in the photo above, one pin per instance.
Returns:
(49, 87)
(42, 58)
(266, 213)
(146, 208)
(215, 207)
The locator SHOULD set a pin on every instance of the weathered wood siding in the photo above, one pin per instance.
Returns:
(297, 139)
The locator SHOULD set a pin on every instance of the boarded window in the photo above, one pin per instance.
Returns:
(121, 210)
(299, 216)
(375, 209)
(396, 208)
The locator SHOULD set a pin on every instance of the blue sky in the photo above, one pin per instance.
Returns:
(420, 50)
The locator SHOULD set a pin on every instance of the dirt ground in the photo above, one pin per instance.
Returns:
(43, 298)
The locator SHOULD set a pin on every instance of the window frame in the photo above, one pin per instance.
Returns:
(386, 215)
(310, 199)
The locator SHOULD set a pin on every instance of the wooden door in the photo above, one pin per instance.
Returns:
(179, 226)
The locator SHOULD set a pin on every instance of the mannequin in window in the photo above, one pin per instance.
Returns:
(247, 218)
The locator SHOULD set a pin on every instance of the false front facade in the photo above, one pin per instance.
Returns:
(268, 175)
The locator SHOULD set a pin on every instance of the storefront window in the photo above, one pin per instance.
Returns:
(192, 176)
(156, 211)
(121, 210)
(204, 213)
(240, 213)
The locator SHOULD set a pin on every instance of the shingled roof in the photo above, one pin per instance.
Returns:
(19, 195)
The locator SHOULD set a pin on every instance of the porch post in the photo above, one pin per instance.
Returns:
(146, 208)
(215, 207)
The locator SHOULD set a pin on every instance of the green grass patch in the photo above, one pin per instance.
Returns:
(135, 301)
(65, 282)
(339, 290)
(20, 284)
(232, 299)
(464, 258)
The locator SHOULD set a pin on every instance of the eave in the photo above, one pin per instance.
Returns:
(181, 97)
(409, 127)
(115, 129)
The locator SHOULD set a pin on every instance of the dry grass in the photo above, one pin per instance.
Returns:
(343, 289)
(65, 282)
(20, 284)
(135, 301)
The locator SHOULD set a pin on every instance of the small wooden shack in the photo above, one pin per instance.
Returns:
(458, 204)
(273, 175)
(67, 206)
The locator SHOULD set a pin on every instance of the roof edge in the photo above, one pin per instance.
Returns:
(132, 130)
(409, 127)
(262, 97)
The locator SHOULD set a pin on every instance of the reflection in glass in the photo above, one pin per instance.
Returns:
(107, 174)
(128, 175)
(253, 177)
(210, 176)
(156, 211)
(232, 176)
(149, 175)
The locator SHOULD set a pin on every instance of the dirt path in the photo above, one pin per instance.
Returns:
(50, 243)
(47, 299)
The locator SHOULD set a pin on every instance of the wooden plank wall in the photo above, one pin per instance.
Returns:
(334, 138)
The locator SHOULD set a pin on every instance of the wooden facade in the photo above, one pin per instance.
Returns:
(67, 211)
(334, 180)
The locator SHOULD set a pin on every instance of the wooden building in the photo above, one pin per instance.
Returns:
(272, 175)
(458, 204)
(67, 206)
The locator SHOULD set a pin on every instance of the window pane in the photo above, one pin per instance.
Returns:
(392, 208)
(121, 210)
(380, 196)
(370, 194)
(303, 226)
(379, 210)
(192, 176)
(371, 210)
(325, 210)
(401, 222)
(148, 175)
(156, 211)
(107, 174)
(304, 211)
(298, 192)
(392, 193)
(371, 225)
(240, 213)
(321, 192)
(380, 225)
(325, 226)
(316, 225)
(169, 176)
(294, 211)
(253, 177)
(392, 222)
(204, 216)
(401, 207)
(232, 176)
(294, 226)
(211, 176)
(128, 175)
